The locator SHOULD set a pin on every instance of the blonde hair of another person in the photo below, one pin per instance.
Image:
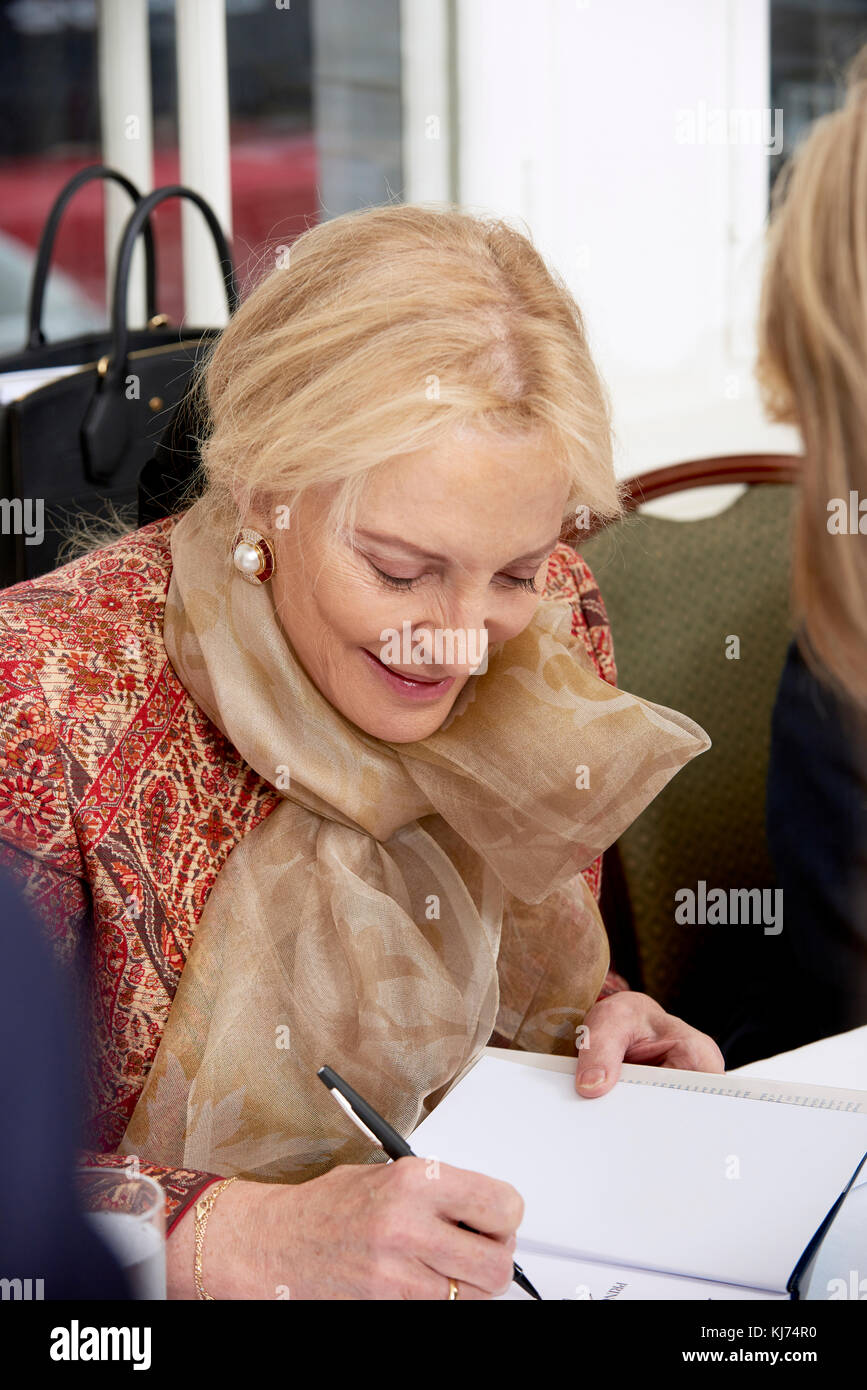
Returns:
(812, 369)
(387, 331)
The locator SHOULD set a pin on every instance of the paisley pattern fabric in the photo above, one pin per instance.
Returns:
(120, 801)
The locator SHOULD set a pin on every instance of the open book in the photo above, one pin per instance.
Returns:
(675, 1184)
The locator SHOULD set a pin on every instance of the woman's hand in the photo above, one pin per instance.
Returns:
(629, 1027)
(384, 1231)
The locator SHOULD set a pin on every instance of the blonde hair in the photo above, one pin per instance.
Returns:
(388, 329)
(812, 369)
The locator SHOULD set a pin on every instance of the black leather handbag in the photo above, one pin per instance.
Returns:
(74, 448)
(88, 347)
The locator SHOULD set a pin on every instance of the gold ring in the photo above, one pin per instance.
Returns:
(454, 1289)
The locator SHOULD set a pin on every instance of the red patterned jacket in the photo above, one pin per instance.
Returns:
(120, 801)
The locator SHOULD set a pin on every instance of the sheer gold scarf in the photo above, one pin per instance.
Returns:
(373, 920)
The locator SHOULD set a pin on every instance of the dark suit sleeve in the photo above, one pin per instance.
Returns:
(817, 834)
(43, 1235)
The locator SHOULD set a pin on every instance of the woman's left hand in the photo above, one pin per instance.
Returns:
(630, 1027)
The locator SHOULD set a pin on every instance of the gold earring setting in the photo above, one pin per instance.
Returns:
(252, 556)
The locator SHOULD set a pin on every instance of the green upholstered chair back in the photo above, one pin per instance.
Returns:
(700, 620)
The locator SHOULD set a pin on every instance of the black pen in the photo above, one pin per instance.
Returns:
(371, 1123)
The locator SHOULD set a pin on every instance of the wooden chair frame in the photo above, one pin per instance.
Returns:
(724, 469)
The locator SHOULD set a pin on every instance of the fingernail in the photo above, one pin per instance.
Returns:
(591, 1078)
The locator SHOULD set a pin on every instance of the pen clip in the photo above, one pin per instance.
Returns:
(345, 1105)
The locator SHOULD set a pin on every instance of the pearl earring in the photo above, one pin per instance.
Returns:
(252, 556)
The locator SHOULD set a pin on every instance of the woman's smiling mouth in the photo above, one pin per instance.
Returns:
(410, 687)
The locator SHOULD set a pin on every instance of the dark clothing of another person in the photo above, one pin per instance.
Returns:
(43, 1235)
(817, 834)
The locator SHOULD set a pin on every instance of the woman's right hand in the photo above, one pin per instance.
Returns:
(379, 1231)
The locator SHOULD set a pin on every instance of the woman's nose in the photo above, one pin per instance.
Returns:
(455, 643)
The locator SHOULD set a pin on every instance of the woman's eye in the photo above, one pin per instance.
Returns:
(514, 581)
(392, 580)
(518, 583)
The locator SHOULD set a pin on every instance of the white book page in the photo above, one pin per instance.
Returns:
(655, 1178)
(840, 1060)
(558, 1278)
(747, 1084)
(14, 385)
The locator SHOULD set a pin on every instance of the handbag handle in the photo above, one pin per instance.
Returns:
(114, 371)
(45, 251)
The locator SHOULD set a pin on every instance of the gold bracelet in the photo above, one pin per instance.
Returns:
(203, 1211)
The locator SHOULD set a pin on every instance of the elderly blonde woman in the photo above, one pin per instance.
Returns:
(319, 770)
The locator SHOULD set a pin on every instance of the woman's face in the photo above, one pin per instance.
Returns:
(453, 541)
